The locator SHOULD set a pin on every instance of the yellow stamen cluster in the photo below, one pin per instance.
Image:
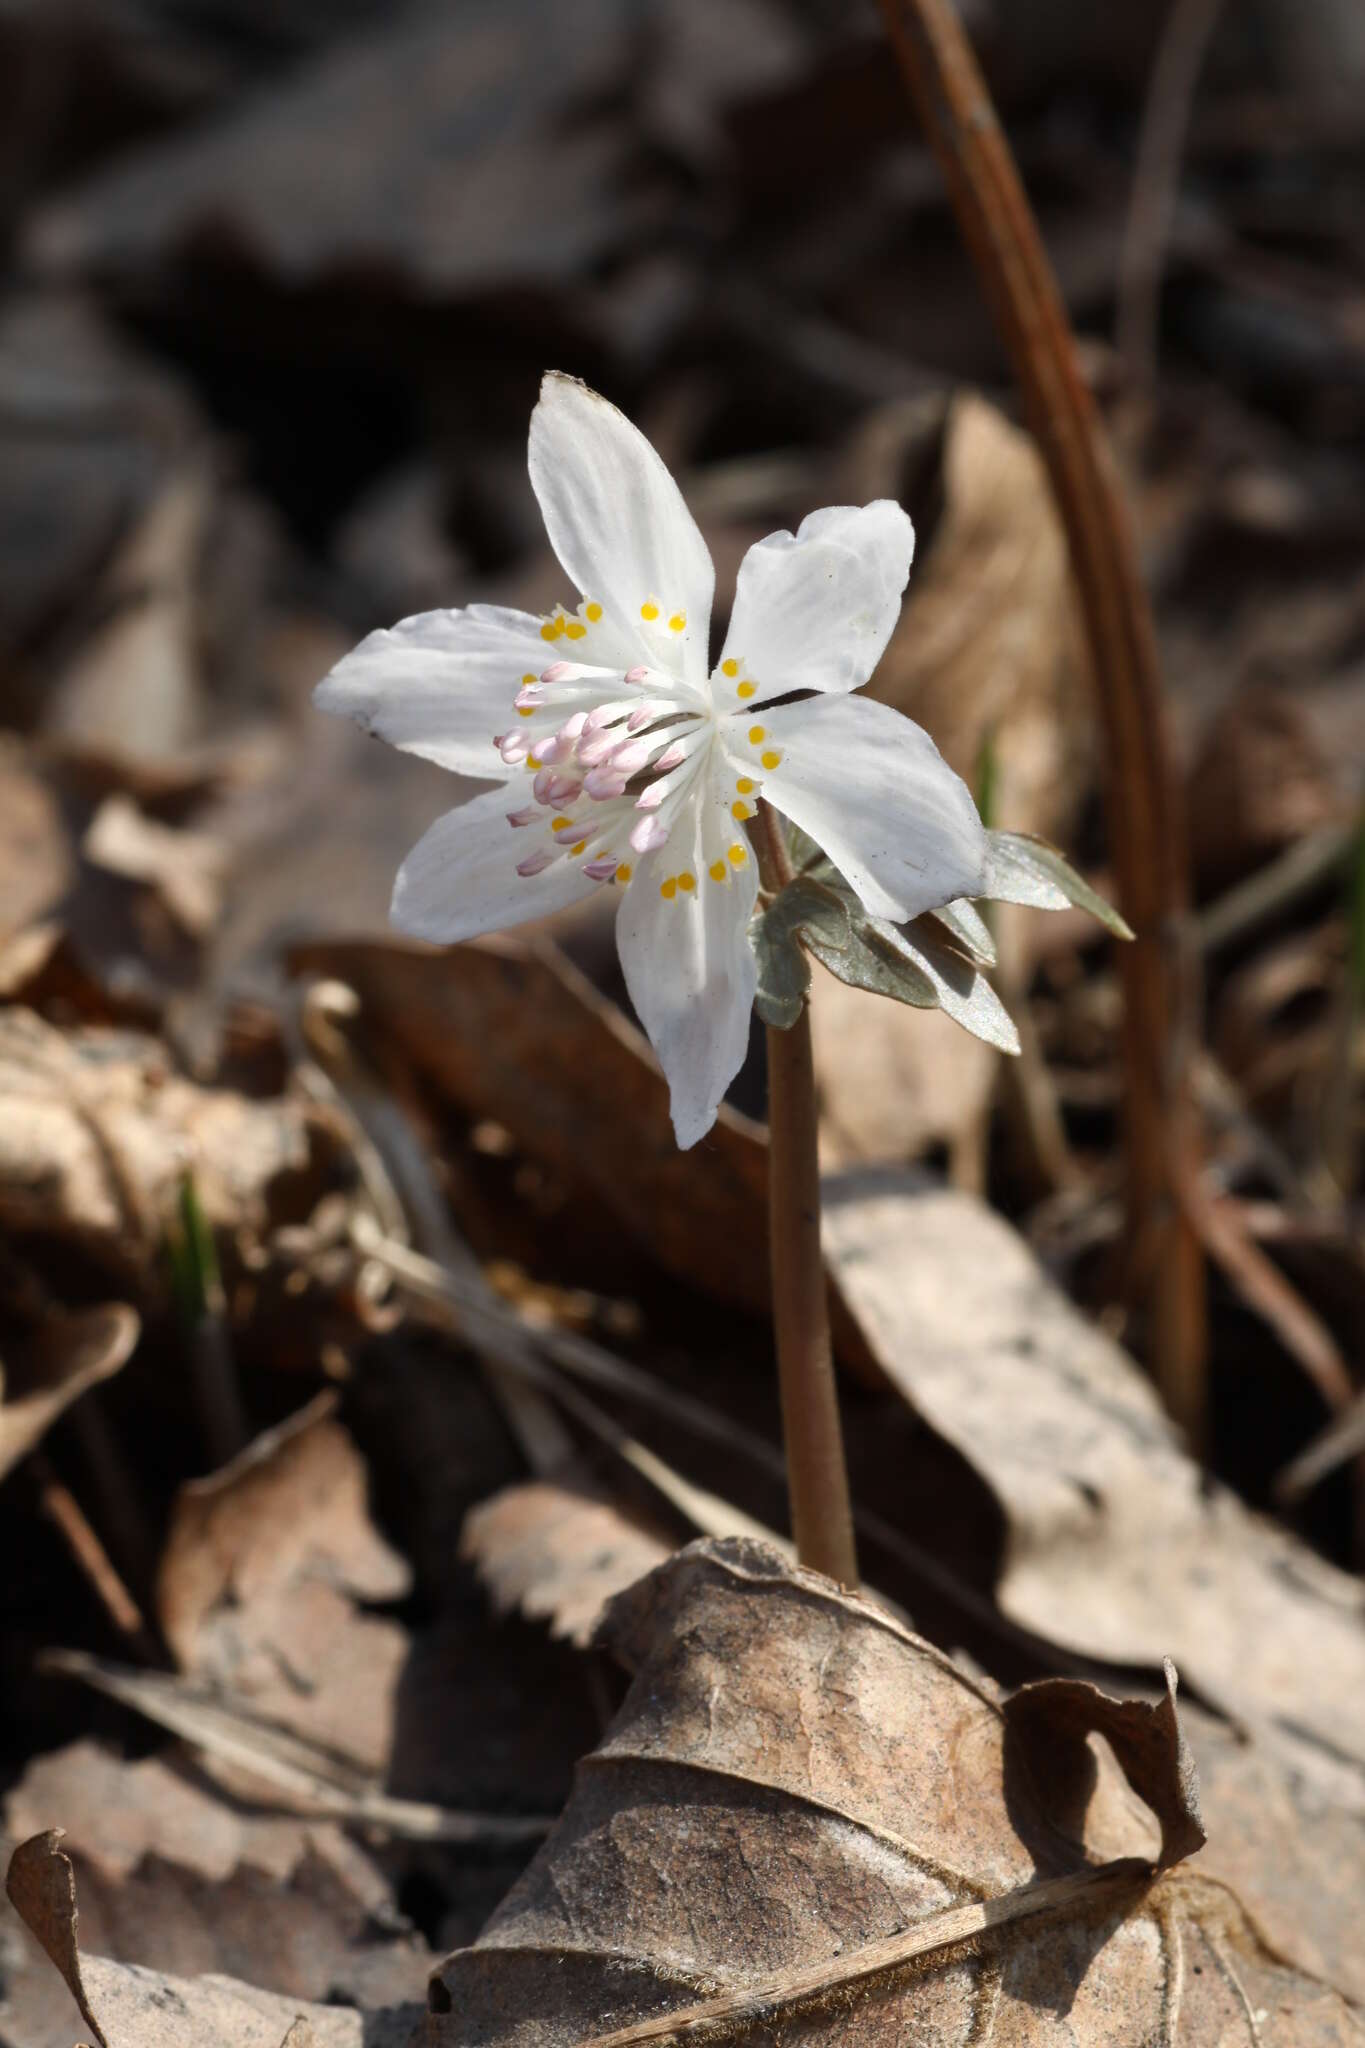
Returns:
(651, 609)
(569, 625)
(730, 668)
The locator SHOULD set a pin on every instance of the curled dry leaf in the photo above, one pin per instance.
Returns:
(261, 1583)
(125, 2006)
(806, 1821)
(53, 1366)
(559, 1553)
(1116, 1545)
(97, 1133)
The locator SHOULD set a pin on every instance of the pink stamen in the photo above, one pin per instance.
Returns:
(513, 749)
(534, 862)
(529, 695)
(672, 757)
(572, 727)
(590, 752)
(650, 799)
(604, 782)
(527, 816)
(556, 669)
(563, 790)
(601, 870)
(649, 833)
(600, 715)
(638, 718)
(637, 675)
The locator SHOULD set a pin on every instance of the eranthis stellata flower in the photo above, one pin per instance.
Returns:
(624, 760)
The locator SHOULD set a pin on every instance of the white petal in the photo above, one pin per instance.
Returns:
(691, 972)
(814, 609)
(440, 684)
(618, 524)
(461, 877)
(872, 788)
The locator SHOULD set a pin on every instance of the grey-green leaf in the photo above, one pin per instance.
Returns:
(1022, 869)
(969, 929)
(783, 970)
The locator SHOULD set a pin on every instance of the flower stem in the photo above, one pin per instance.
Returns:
(817, 1478)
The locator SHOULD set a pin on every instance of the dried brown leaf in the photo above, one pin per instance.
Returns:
(173, 1875)
(806, 1822)
(97, 1133)
(265, 1566)
(125, 2006)
(1116, 1546)
(185, 868)
(53, 1366)
(559, 1553)
(471, 1024)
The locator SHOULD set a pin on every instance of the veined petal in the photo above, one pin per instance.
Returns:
(872, 788)
(814, 609)
(617, 521)
(440, 684)
(690, 969)
(461, 877)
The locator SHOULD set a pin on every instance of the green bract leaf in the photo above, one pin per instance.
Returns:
(783, 971)
(967, 929)
(1022, 869)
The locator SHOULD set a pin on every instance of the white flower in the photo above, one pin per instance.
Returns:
(622, 760)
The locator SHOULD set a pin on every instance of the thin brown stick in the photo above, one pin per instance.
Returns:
(1185, 38)
(62, 1509)
(1145, 815)
(929, 1944)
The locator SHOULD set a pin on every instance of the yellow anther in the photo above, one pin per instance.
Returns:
(578, 846)
(529, 679)
(729, 667)
(739, 809)
(561, 825)
(738, 855)
(677, 622)
(687, 882)
(532, 763)
(717, 871)
(757, 733)
(669, 888)
(575, 629)
(649, 610)
(592, 612)
(622, 874)
(525, 710)
(771, 758)
(746, 689)
(745, 784)
(552, 629)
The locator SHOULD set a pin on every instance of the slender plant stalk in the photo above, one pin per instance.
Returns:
(817, 1476)
(1165, 1257)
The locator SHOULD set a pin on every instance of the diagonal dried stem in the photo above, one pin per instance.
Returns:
(929, 1944)
(1144, 812)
